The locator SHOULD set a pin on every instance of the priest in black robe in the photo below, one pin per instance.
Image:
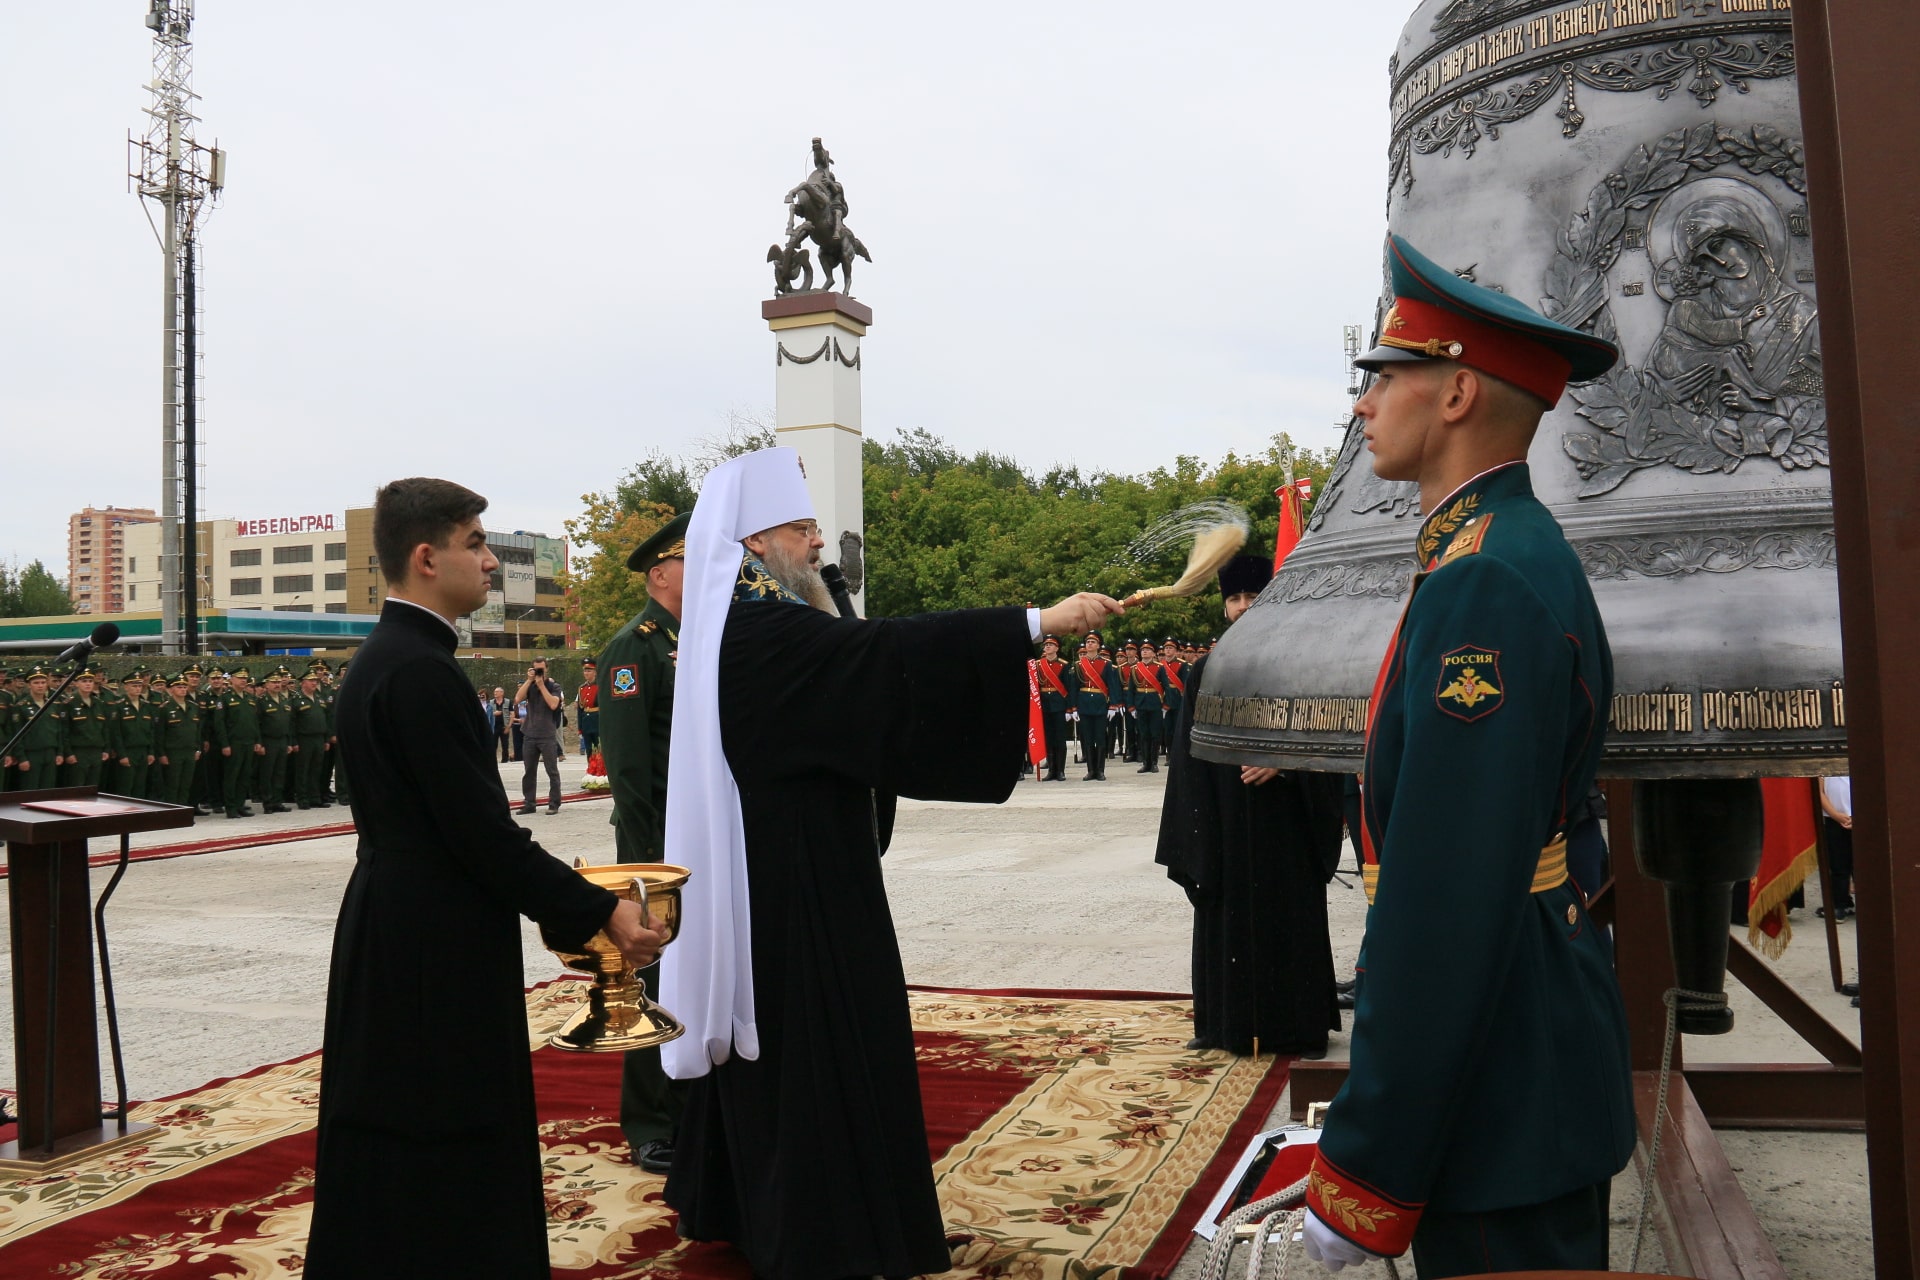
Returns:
(803, 1142)
(428, 1157)
(1253, 848)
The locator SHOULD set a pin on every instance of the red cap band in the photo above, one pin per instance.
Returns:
(1508, 355)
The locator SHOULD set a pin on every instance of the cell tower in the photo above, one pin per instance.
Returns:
(1350, 339)
(180, 177)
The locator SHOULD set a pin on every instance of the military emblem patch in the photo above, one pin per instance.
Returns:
(1469, 684)
(626, 681)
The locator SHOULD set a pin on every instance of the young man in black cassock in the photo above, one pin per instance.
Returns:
(1254, 849)
(428, 1160)
(802, 1141)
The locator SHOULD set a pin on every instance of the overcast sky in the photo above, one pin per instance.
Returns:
(519, 245)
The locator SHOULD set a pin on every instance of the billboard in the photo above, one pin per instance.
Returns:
(491, 616)
(549, 557)
(519, 582)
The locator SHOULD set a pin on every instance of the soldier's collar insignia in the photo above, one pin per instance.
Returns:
(1443, 522)
(1467, 542)
(1469, 685)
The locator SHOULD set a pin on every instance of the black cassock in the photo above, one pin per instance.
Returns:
(428, 1160)
(812, 1159)
(1255, 862)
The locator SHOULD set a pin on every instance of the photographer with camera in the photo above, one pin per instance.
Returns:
(540, 736)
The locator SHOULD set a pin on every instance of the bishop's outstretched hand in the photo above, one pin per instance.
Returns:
(1079, 614)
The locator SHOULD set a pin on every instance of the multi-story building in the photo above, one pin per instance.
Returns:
(321, 563)
(96, 555)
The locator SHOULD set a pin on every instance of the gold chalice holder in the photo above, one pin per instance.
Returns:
(618, 1016)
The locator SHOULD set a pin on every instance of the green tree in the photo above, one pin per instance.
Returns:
(31, 592)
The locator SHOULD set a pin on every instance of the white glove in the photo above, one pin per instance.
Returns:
(1073, 715)
(1328, 1247)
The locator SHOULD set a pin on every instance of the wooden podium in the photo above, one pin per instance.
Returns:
(56, 1048)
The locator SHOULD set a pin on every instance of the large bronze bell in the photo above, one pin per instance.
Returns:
(1633, 169)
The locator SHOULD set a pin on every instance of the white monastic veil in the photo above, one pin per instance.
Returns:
(706, 976)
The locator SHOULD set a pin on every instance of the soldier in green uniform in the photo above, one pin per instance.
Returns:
(235, 734)
(84, 715)
(309, 741)
(178, 734)
(203, 690)
(276, 739)
(36, 757)
(1489, 1104)
(342, 793)
(10, 686)
(327, 696)
(635, 695)
(133, 738)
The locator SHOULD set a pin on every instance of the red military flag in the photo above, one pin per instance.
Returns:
(1293, 517)
(1788, 855)
(1036, 731)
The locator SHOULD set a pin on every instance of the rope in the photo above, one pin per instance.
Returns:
(1288, 1207)
(1670, 998)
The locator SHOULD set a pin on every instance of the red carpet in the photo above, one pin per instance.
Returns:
(1070, 1133)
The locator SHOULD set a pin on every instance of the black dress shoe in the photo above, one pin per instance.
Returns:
(1201, 1042)
(655, 1156)
(1856, 1002)
(553, 808)
(1344, 1000)
(1314, 1055)
(525, 808)
(1145, 769)
(1850, 989)
(245, 811)
(1346, 988)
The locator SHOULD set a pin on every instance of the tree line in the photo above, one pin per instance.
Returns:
(950, 530)
(32, 592)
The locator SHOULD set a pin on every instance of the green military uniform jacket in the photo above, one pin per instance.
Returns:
(86, 726)
(276, 720)
(235, 719)
(133, 732)
(47, 734)
(177, 731)
(308, 715)
(636, 721)
(1490, 1063)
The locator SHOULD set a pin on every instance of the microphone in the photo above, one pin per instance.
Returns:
(104, 636)
(836, 587)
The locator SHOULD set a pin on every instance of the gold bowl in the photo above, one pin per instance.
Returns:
(618, 1015)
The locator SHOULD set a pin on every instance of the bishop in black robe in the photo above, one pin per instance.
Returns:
(428, 1155)
(812, 1159)
(1254, 861)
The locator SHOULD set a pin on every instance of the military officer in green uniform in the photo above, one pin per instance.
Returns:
(178, 733)
(635, 694)
(342, 794)
(84, 716)
(325, 696)
(235, 734)
(309, 741)
(276, 740)
(1489, 1104)
(133, 741)
(36, 756)
(10, 686)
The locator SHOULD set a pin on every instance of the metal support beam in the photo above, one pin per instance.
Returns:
(1861, 118)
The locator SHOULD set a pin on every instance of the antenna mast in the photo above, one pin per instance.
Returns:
(178, 177)
(1350, 340)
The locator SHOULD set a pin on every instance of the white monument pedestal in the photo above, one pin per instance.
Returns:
(816, 398)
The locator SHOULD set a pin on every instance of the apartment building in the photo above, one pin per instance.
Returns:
(96, 555)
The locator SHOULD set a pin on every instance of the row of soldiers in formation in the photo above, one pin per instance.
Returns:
(209, 738)
(1119, 705)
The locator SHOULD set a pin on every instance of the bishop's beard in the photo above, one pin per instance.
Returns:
(800, 576)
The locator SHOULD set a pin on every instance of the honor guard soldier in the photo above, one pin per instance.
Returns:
(1490, 1103)
(1173, 678)
(276, 737)
(1150, 706)
(1096, 686)
(634, 693)
(1055, 700)
(309, 741)
(1127, 739)
(178, 733)
(133, 739)
(36, 757)
(236, 736)
(84, 740)
(586, 703)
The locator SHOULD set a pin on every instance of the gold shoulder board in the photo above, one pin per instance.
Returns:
(1467, 541)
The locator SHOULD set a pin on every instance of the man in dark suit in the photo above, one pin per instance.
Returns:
(427, 1111)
